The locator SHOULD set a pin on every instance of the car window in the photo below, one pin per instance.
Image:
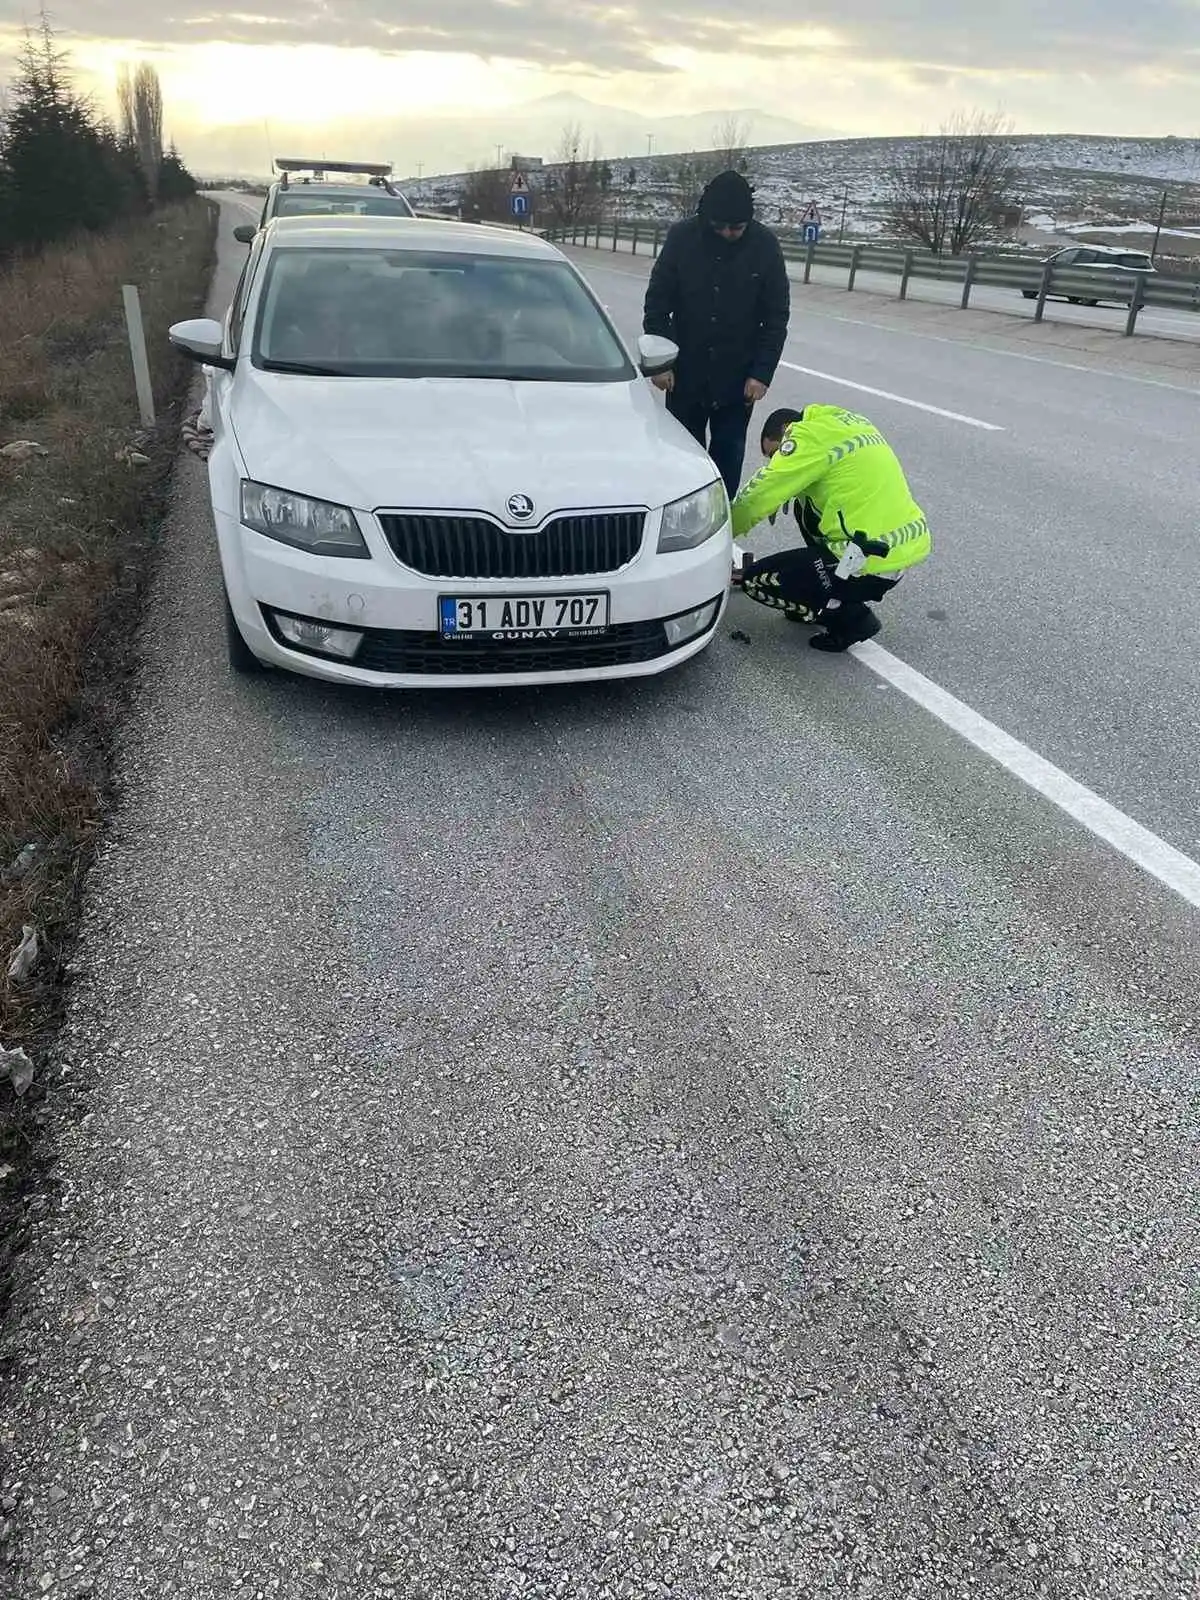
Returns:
(409, 313)
(1139, 263)
(1066, 258)
(241, 298)
(1085, 258)
(312, 202)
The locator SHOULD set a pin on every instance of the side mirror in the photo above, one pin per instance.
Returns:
(201, 340)
(656, 355)
(245, 233)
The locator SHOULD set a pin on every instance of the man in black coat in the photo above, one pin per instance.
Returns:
(720, 290)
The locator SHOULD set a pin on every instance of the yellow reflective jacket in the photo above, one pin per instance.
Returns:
(844, 466)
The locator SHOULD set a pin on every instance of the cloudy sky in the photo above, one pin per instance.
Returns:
(444, 81)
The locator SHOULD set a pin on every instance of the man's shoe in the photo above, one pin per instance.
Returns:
(863, 628)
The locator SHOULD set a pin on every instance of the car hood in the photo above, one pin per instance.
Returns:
(463, 444)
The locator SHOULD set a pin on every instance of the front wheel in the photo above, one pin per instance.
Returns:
(242, 659)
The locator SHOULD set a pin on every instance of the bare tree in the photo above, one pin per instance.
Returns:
(953, 190)
(577, 183)
(691, 173)
(139, 94)
(731, 141)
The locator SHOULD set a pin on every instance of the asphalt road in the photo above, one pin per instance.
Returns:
(721, 1137)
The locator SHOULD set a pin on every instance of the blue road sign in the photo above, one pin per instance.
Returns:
(519, 204)
(812, 234)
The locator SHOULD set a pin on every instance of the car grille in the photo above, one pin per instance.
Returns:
(622, 646)
(472, 547)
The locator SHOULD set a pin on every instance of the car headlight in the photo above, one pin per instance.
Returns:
(690, 521)
(315, 525)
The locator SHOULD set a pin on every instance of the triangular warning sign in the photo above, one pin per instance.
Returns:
(518, 184)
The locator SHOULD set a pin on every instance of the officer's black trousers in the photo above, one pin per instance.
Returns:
(801, 583)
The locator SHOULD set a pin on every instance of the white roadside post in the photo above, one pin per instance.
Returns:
(137, 351)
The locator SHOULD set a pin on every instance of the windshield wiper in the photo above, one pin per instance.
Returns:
(305, 369)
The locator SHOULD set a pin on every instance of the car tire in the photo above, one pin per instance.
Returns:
(242, 660)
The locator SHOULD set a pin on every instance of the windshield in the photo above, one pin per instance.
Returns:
(416, 314)
(311, 201)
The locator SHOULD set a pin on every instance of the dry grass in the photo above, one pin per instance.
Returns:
(77, 530)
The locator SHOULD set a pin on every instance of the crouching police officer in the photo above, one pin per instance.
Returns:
(861, 526)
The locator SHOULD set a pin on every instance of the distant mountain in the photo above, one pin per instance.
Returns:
(445, 143)
(621, 133)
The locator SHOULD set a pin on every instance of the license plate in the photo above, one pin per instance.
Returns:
(519, 618)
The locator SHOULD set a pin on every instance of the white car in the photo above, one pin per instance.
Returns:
(1099, 258)
(435, 462)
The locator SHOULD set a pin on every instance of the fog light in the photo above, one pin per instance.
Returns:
(319, 637)
(686, 626)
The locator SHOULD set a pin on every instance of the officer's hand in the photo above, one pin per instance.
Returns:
(665, 381)
(755, 390)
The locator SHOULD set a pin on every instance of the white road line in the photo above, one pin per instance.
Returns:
(1137, 844)
(995, 350)
(900, 399)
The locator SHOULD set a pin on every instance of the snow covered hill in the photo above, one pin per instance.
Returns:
(1069, 181)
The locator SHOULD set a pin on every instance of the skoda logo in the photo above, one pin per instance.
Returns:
(520, 507)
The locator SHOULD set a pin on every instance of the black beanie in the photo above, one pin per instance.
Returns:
(728, 201)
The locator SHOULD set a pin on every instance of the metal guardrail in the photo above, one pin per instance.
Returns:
(1035, 277)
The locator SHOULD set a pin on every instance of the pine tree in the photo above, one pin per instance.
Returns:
(175, 182)
(63, 166)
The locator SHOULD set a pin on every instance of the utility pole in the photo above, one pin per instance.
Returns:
(1162, 213)
(845, 206)
(499, 157)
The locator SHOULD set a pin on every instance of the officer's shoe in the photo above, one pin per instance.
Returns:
(855, 630)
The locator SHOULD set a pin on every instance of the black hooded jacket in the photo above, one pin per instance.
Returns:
(725, 303)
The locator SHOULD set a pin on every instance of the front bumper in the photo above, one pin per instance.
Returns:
(396, 611)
